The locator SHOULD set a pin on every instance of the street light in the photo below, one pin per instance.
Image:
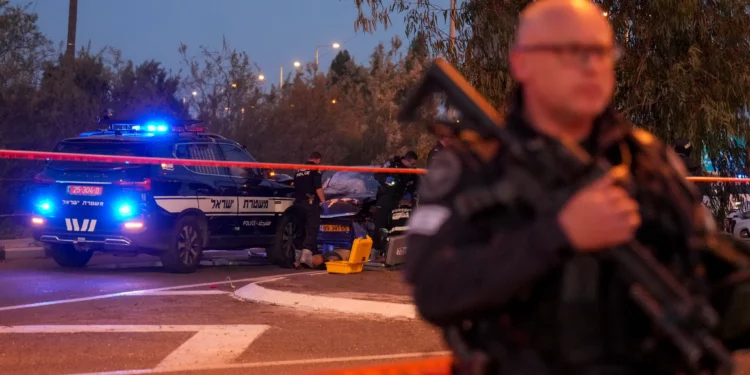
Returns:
(296, 64)
(195, 93)
(317, 51)
(261, 77)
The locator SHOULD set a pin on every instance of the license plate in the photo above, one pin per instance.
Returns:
(85, 190)
(334, 228)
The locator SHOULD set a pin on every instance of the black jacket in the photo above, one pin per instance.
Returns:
(399, 183)
(693, 168)
(510, 262)
(306, 183)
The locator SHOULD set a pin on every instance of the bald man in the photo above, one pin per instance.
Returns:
(504, 286)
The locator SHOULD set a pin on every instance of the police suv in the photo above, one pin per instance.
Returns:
(166, 210)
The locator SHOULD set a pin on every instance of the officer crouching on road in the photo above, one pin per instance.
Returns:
(393, 187)
(504, 284)
(308, 197)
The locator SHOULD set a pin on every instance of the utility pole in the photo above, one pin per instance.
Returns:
(317, 53)
(453, 28)
(451, 113)
(281, 76)
(72, 22)
(317, 50)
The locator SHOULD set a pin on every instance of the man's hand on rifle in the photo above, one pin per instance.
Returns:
(600, 216)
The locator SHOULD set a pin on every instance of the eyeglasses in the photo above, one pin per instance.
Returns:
(576, 53)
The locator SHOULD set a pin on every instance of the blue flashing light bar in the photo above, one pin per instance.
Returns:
(150, 127)
(157, 126)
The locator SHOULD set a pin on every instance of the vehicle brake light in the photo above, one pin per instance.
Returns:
(144, 185)
(133, 225)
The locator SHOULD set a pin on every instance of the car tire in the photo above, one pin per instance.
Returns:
(68, 256)
(281, 253)
(186, 247)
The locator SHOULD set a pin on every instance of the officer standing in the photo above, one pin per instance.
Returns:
(684, 148)
(499, 285)
(392, 188)
(308, 197)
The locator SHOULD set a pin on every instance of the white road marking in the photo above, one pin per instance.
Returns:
(183, 293)
(139, 292)
(212, 345)
(279, 363)
(110, 328)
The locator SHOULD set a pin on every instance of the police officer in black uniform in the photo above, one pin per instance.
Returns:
(393, 187)
(308, 197)
(500, 284)
(684, 148)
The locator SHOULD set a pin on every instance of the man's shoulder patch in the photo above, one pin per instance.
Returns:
(428, 219)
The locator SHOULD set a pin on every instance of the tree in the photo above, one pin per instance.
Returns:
(389, 77)
(64, 109)
(146, 90)
(418, 53)
(23, 47)
(684, 71)
(308, 117)
(23, 50)
(340, 64)
(223, 87)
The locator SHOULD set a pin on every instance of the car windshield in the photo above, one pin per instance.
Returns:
(103, 148)
(98, 148)
(350, 182)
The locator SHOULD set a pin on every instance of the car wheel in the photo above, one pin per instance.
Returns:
(186, 249)
(68, 256)
(282, 251)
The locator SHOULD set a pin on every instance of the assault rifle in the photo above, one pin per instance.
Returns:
(545, 178)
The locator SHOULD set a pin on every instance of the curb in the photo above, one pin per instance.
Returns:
(256, 293)
(22, 253)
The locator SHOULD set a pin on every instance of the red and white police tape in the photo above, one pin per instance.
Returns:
(88, 158)
(59, 156)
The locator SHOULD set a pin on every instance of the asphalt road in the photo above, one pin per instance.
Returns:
(127, 316)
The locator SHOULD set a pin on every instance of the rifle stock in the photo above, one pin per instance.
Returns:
(545, 179)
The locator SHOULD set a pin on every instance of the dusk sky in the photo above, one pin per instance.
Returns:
(272, 32)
